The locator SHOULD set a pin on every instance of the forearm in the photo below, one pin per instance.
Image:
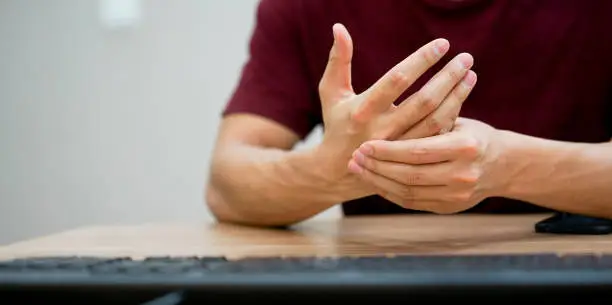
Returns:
(270, 187)
(570, 177)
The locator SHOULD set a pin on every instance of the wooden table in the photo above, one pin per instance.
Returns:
(372, 235)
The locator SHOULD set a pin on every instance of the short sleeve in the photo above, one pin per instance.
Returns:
(274, 81)
(609, 118)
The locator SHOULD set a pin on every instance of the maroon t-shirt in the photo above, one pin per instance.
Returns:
(544, 66)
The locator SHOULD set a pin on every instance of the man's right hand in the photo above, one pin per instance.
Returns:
(351, 119)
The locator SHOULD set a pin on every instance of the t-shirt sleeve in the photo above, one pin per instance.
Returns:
(274, 81)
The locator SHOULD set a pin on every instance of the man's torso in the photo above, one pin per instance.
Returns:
(544, 66)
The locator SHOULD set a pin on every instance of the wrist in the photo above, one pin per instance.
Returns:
(330, 169)
(519, 158)
(528, 165)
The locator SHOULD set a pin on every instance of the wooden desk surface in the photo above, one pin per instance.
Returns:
(380, 235)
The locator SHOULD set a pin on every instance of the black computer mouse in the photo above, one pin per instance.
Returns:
(568, 223)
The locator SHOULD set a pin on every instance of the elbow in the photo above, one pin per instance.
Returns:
(222, 212)
(217, 206)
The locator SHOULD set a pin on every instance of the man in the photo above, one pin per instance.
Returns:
(533, 135)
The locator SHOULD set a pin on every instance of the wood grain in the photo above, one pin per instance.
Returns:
(356, 236)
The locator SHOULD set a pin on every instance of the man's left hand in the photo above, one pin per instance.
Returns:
(444, 174)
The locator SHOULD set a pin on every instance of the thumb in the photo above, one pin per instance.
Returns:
(336, 81)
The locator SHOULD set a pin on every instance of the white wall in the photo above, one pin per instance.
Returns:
(107, 125)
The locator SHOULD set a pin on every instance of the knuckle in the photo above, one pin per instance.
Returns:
(333, 56)
(445, 124)
(397, 78)
(335, 59)
(448, 126)
(475, 172)
(429, 57)
(357, 120)
(468, 141)
(378, 149)
(453, 74)
(426, 102)
(412, 179)
(434, 124)
(462, 197)
(454, 116)
(418, 154)
(354, 116)
(470, 147)
(470, 177)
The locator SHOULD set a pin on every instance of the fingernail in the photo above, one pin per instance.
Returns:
(354, 167)
(366, 149)
(441, 46)
(470, 79)
(466, 60)
(359, 158)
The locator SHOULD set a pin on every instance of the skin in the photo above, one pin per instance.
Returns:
(257, 178)
(453, 172)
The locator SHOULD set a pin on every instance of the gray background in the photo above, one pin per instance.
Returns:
(104, 122)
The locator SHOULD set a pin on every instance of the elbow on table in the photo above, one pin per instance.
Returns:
(217, 206)
(222, 212)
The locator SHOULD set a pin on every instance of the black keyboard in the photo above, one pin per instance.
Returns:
(431, 276)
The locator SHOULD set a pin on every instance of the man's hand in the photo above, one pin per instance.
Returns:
(350, 118)
(443, 174)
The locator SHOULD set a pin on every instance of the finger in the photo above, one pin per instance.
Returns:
(422, 205)
(381, 95)
(441, 148)
(443, 119)
(407, 174)
(336, 80)
(429, 98)
(385, 185)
